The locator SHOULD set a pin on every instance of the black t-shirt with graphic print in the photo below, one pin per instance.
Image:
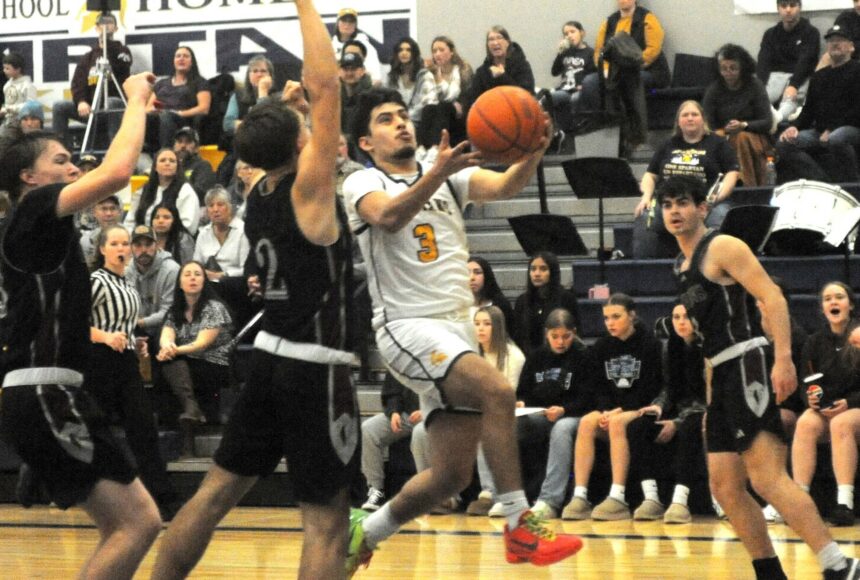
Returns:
(704, 160)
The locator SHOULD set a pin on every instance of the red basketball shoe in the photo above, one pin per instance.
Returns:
(532, 541)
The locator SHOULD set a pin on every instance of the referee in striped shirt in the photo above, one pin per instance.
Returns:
(115, 376)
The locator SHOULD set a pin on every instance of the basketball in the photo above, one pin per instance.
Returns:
(505, 123)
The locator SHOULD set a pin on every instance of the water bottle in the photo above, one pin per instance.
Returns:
(770, 171)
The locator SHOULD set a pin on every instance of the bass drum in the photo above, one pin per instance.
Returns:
(808, 212)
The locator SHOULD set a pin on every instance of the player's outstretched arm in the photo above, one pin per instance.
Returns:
(486, 185)
(118, 165)
(733, 257)
(313, 192)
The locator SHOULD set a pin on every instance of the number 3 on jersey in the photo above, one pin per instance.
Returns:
(426, 236)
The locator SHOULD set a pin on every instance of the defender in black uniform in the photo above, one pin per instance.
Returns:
(719, 279)
(299, 401)
(60, 434)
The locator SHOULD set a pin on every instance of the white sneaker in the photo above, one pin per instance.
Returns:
(497, 511)
(772, 516)
(375, 500)
(544, 511)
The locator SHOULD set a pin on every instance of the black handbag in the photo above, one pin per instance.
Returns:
(622, 51)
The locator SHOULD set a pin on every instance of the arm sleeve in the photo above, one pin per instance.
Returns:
(558, 64)
(709, 104)
(762, 116)
(599, 42)
(728, 159)
(653, 39)
(166, 287)
(120, 61)
(231, 115)
(243, 250)
(808, 58)
(515, 363)
(526, 384)
(765, 54)
(188, 206)
(79, 82)
(36, 240)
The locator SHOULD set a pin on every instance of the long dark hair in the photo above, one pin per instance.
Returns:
(150, 190)
(19, 151)
(740, 55)
(207, 294)
(175, 233)
(194, 71)
(551, 288)
(411, 68)
(491, 290)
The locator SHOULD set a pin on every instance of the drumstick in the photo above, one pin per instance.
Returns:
(714, 191)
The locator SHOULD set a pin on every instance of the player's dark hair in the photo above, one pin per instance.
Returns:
(367, 101)
(102, 240)
(150, 190)
(19, 151)
(679, 186)
(267, 136)
(15, 59)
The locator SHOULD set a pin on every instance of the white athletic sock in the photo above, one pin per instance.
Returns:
(581, 491)
(681, 495)
(845, 495)
(514, 503)
(379, 526)
(617, 492)
(831, 557)
(649, 490)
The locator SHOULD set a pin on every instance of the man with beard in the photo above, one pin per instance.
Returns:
(197, 171)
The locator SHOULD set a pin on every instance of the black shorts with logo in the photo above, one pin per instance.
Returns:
(742, 404)
(59, 431)
(306, 412)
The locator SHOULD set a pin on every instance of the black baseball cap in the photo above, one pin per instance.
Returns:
(351, 60)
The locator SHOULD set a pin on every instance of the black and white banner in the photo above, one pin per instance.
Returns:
(52, 35)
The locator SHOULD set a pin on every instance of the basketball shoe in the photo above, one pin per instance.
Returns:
(532, 541)
(358, 555)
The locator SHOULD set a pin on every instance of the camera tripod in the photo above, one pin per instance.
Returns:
(104, 77)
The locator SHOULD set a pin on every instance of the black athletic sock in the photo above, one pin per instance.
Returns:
(768, 569)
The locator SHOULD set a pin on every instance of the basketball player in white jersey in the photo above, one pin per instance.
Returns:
(407, 217)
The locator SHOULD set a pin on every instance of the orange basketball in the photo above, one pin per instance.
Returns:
(505, 123)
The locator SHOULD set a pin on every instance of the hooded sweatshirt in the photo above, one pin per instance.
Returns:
(156, 287)
(627, 373)
(550, 379)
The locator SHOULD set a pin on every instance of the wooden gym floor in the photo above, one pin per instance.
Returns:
(264, 543)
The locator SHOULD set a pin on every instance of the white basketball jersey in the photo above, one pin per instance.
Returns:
(420, 270)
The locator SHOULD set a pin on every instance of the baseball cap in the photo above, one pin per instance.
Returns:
(32, 108)
(188, 132)
(88, 159)
(351, 60)
(837, 30)
(142, 231)
(347, 13)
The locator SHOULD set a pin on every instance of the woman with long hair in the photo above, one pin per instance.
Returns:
(166, 186)
(115, 372)
(180, 98)
(259, 79)
(543, 294)
(171, 235)
(834, 408)
(443, 109)
(195, 350)
(409, 77)
(737, 107)
(626, 382)
(486, 290)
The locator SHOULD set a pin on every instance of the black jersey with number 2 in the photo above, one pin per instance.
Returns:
(307, 288)
(47, 287)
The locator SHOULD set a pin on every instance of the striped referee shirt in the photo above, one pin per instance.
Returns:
(115, 304)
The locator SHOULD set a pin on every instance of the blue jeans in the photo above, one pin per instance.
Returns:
(559, 460)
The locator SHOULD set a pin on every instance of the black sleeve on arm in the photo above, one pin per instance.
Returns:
(36, 240)
(808, 59)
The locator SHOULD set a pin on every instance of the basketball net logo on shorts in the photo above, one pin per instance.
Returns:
(437, 358)
(623, 370)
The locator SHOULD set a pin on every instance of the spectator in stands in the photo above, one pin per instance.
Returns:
(686, 396)
(85, 78)
(627, 384)
(170, 235)
(834, 414)
(849, 21)
(401, 413)
(115, 379)
(555, 378)
(820, 142)
(258, 85)
(543, 294)
(195, 350)
(452, 77)
(573, 61)
(692, 150)
(505, 64)
(737, 106)
(244, 179)
(180, 99)
(485, 289)
(344, 163)
(494, 344)
(166, 185)
(17, 90)
(107, 213)
(353, 82)
(197, 171)
(153, 274)
(31, 117)
(347, 29)
(409, 77)
(787, 58)
(221, 244)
